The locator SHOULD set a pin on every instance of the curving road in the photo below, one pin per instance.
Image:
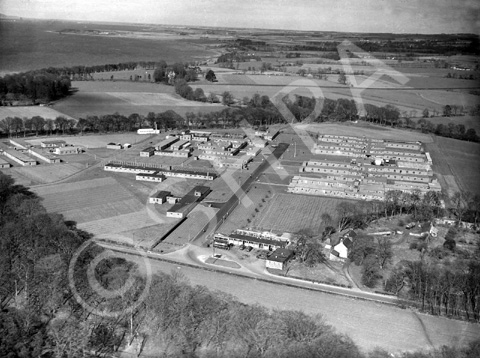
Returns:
(358, 314)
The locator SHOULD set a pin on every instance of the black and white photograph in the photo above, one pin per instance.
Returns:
(251, 179)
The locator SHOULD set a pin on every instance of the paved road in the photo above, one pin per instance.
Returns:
(228, 207)
(369, 323)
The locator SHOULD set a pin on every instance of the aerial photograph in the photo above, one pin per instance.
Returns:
(261, 179)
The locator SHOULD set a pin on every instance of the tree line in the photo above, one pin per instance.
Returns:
(33, 87)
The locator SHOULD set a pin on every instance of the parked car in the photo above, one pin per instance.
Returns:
(249, 248)
(409, 226)
(262, 256)
(242, 247)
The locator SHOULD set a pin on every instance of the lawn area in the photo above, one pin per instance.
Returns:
(457, 161)
(90, 200)
(331, 273)
(243, 216)
(292, 213)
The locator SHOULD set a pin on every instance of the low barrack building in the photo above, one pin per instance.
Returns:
(159, 197)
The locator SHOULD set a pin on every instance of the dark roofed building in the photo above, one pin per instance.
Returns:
(188, 202)
(279, 259)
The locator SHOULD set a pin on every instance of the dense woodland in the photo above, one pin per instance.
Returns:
(33, 87)
(40, 317)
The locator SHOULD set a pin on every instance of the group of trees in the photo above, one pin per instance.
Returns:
(442, 289)
(36, 124)
(33, 87)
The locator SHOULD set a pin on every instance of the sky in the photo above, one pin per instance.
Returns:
(397, 16)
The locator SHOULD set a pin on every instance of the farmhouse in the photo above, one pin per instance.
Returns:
(279, 259)
(155, 177)
(147, 152)
(53, 143)
(340, 250)
(19, 157)
(44, 156)
(159, 197)
(188, 202)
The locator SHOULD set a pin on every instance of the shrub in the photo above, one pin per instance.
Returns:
(401, 223)
(450, 244)
(413, 246)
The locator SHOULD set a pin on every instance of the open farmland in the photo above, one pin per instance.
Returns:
(292, 213)
(402, 95)
(457, 162)
(98, 98)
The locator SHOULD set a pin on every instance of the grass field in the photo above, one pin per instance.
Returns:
(365, 129)
(97, 98)
(90, 200)
(458, 162)
(44, 173)
(31, 111)
(292, 213)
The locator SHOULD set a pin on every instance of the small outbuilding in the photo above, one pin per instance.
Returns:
(279, 259)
